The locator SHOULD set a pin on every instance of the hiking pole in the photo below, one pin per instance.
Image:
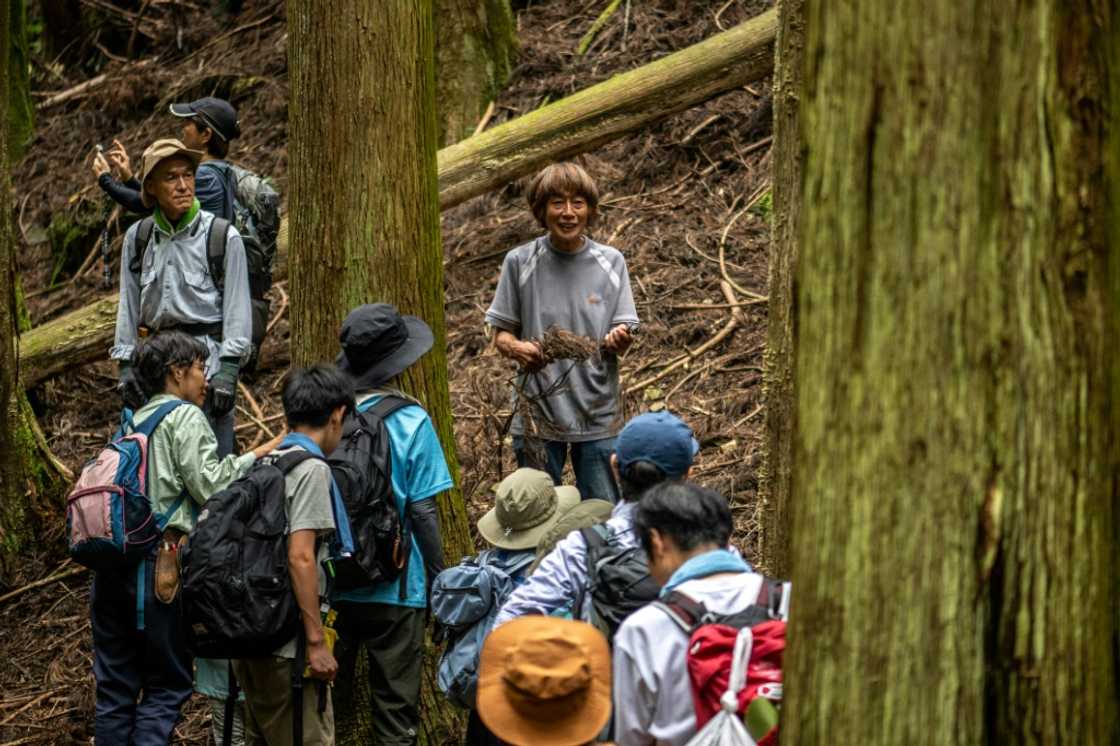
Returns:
(106, 250)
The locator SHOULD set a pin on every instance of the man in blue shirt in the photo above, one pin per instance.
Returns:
(386, 620)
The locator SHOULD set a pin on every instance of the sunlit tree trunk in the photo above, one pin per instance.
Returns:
(781, 361)
(956, 451)
(365, 204)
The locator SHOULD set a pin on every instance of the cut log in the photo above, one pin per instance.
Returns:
(491, 159)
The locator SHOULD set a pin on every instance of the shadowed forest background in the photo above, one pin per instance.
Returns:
(672, 194)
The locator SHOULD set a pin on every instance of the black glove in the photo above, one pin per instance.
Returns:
(223, 388)
(132, 396)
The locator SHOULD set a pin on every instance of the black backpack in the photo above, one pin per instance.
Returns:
(237, 593)
(362, 469)
(618, 577)
(253, 207)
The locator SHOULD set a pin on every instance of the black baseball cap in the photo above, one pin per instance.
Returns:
(218, 114)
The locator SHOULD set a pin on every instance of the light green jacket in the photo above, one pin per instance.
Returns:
(183, 454)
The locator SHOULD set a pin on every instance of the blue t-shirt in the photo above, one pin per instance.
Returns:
(419, 472)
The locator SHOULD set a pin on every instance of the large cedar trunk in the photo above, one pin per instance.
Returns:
(956, 481)
(365, 202)
(475, 44)
(789, 58)
(27, 482)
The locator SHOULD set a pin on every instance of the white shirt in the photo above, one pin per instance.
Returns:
(652, 689)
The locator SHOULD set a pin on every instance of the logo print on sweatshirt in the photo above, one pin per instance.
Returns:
(594, 299)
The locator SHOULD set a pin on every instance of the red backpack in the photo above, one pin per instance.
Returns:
(712, 639)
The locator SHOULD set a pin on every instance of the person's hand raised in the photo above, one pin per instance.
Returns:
(100, 165)
(118, 156)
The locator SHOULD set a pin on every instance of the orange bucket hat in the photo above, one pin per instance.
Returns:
(544, 681)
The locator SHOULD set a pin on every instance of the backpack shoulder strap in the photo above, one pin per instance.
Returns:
(684, 610)
(148, 426)
(387, 405)
(771, 597)
(143, 236)
(289, 461)
(216, 251)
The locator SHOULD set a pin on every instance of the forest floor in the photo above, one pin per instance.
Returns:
(677, 198)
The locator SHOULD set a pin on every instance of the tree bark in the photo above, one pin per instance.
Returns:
(487, 161)
(27, 483)
(780, 367)
(957, 440)
(363, 110)
(21, 111)
(475, 45)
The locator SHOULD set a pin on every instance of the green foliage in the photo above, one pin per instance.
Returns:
(71, 236)
(764, 208)
(21, 112)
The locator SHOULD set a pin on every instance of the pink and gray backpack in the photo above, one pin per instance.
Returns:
(109, 518)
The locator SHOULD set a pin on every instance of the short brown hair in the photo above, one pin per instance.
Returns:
(562, 179)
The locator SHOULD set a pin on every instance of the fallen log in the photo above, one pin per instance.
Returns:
(491, 159)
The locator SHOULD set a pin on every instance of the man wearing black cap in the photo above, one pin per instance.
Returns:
(211, 125)
(387, 620)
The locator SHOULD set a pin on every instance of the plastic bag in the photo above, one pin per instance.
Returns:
(726, 729)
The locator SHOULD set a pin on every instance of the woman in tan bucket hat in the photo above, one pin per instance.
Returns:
(545, 681)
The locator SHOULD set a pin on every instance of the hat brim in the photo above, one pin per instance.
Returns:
(181, 110)
(567, 497)
(420, 340)
(584, 515)
(502, 718)
(194, 156)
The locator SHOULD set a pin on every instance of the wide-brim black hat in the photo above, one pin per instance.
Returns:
(379, 343)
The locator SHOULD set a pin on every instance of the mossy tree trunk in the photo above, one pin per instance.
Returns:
(27, 482)
(780, 368)
(475, 44)
(956, 484)
(21, 111)
(365, 201)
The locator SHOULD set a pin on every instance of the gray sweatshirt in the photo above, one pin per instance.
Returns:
(587, 293)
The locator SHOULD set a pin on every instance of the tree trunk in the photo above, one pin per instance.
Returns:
(27, 483)
(21, 112)
(475, 44)
(782, 309)
(490, 160)
(363, 111)
(957, 441)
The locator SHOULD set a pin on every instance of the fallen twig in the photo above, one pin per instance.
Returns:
(280, 311)
(40, 583)
(596, 27)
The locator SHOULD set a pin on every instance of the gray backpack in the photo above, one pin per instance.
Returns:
(465, 600)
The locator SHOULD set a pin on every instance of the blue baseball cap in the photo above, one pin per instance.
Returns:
(660, 438)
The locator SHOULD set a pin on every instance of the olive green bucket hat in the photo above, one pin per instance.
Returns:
(527, 506)
(585, 515)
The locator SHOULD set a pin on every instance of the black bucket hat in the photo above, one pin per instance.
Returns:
(379, 343)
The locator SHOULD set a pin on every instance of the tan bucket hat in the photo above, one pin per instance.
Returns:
(527, 505)
(158, 152)
(544, 681)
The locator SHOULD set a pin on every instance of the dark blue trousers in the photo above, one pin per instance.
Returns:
(143, 669)
(591, 462)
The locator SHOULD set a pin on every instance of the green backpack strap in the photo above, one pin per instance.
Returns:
(216, 251)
